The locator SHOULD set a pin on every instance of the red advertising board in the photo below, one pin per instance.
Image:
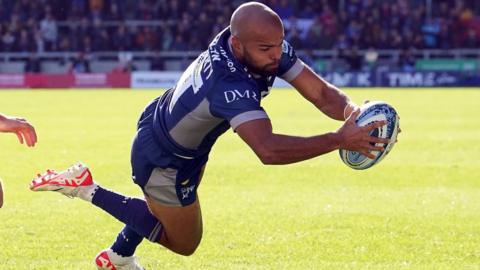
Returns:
(84, 80)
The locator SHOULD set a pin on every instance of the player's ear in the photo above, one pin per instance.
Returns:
(237, 44)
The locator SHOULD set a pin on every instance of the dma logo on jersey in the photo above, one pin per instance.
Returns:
(234, 95)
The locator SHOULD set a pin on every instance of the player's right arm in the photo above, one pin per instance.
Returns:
(21, 127)
(274, 148)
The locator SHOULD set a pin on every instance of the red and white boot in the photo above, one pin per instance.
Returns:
(109, 260)
(72, 182)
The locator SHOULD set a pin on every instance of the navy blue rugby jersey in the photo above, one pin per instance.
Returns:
(214, 93)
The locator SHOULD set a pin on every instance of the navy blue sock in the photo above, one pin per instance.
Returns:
(131, 211)
(127, 241)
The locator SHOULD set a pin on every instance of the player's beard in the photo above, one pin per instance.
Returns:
(270, 69)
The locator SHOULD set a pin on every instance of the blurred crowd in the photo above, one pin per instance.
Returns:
(179, 25)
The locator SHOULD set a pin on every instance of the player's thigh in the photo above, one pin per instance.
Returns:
(182, 225)
(174, 201)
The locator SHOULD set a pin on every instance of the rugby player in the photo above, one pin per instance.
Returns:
(221, 89)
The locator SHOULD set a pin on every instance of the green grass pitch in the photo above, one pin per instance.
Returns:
(418, 209)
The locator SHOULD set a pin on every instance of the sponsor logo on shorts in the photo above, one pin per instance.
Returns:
(186, 191)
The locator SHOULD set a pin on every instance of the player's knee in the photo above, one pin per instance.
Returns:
(188, 250)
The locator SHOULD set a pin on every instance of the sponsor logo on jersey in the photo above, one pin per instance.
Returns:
(229, 61)
(216, 55)
(234, 95)
(205, 63)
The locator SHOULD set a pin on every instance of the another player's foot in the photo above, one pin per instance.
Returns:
(108, 260)
(68, 182)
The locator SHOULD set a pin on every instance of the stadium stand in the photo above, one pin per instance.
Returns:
(349, 35)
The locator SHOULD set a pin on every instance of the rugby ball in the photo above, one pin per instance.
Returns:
(369, 113)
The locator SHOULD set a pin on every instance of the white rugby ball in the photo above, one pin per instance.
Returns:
(369, 113)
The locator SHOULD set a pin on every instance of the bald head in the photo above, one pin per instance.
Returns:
(257, 38)
(254, 20)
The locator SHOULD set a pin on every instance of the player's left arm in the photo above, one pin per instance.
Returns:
(324, 95)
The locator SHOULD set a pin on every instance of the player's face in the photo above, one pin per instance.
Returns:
(262, 54)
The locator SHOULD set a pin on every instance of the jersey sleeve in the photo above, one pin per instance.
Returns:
(290, 65)
(237, 103)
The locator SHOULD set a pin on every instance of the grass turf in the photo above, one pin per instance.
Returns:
(417, 209)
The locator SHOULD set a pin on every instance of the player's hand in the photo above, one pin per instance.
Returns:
(21, 127)
(355, 138)
(351, 107)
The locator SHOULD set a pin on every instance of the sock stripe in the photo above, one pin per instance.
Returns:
(155, 232)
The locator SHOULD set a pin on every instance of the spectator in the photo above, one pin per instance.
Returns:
(396, 24)
(144, 11)
(444, 38)
(48, 28)
(157, 62)
(342, 43)
(194, 44)
(353, 59)
(8, 41)
(114, 14)
(203, 26)
(80, 64)
(283, 9)
(307, 58)
(96, 7)
(24, 42)
(307, 12)
(146, 39)
(121, 39)
(371, 58)
(82, 30)
(129, 67)
(65, 44)
(125, 63)
(39, 42)
(431, 30)
(179, 44)
(406, 61)
(472, 40)
(32, 65)
(294, 39)
(167, 39)
(86, 46)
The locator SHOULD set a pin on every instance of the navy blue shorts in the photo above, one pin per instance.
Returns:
(168, 179)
